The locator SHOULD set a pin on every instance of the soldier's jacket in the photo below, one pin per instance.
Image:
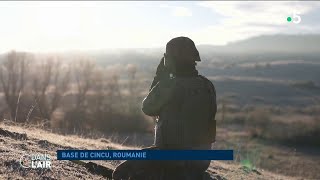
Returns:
(186, 107)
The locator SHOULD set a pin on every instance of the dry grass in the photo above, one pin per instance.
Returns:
(13, 149)
(298, 125)
(283, 140)
(66, 140)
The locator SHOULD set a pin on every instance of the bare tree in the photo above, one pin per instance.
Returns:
(83, 72)
(99, 90)
(49, 85)
(106, 89)
(106, 99)
(132, 83)
(13, 79)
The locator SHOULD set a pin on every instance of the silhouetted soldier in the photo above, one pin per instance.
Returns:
(184, 103)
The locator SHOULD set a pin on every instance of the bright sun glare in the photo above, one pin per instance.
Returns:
(74, 25)
(58, 25)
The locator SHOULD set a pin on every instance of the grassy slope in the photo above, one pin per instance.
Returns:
(43, 141)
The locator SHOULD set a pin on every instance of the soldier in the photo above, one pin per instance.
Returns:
(184, 103)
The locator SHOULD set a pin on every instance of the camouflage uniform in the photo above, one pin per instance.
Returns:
(186, 105)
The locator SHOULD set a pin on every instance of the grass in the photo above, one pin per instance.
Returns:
(299, 126)
(262, 137)
(68, 170)
(282, 140)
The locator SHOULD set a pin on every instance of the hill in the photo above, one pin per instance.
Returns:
(263, 47)
(19, 140)
(279, 43)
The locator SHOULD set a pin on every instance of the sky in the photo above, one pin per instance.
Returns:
(61, 25)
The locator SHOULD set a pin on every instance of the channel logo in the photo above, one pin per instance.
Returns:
(36, 161)
(295, 18)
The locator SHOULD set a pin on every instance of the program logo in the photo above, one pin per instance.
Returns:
(36, 161)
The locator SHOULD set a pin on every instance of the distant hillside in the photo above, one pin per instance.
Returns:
(271, 43)
(265, 47)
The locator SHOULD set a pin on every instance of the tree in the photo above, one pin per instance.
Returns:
(83, 71)
(13, 76)
(49, 85)
(132, 88)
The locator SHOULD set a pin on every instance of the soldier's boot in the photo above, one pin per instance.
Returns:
(122, 171)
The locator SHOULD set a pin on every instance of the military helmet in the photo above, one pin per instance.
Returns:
(182, 48)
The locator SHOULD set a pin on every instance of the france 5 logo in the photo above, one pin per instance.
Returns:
(295, 18)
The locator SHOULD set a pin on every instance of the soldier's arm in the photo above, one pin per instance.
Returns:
(158, 97)
(161, 73)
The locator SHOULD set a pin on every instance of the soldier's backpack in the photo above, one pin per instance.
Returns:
(194, 114)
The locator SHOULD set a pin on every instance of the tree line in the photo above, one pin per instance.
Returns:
(71, 96)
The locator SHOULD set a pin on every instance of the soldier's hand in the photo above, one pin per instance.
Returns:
(160, 73)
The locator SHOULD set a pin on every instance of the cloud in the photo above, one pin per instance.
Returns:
(98, 25)
(244, 12)
(178, 11)
(245, 19)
